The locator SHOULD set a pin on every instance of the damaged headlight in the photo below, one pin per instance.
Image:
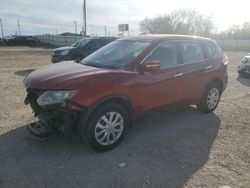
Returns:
(54, 97)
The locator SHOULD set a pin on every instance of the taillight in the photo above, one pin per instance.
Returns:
(225, 59)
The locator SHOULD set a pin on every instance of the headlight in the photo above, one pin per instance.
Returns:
(64, 52)
(54, 97)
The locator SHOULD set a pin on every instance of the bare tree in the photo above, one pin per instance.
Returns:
(179, 22)
(236, 32)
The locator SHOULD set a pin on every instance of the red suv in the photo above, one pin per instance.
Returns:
(125, 79)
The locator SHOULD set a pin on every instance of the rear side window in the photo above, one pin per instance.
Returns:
(208, 50)
(192, 52)
(166, 54)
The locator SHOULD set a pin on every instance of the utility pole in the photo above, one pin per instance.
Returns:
(18, 25)
(105, 30)
(75, 22)
(84, 28)
(1, 24)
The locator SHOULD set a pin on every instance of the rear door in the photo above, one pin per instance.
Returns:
(196, 69)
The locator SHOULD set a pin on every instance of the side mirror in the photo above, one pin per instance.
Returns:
(151, 65)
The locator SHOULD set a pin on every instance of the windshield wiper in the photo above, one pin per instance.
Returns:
(100, 65)
(91, 65)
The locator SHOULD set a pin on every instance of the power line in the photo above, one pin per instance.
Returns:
(84, 28)
(105, 30)
(18, 25)
(75, 22)
(1, 27)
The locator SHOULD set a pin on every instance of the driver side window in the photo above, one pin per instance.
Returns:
(165, 53)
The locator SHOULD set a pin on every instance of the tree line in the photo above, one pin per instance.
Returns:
(190, 22)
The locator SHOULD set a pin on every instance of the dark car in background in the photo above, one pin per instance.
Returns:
(17, 40)
(80, 49)
(1, 40)
(244, 66)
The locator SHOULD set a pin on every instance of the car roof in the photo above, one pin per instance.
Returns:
(164, 37)
(91, 38)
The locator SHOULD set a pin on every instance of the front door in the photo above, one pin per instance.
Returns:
(161, 87)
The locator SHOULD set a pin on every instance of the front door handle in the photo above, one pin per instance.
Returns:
(178, 75)
(208, 67)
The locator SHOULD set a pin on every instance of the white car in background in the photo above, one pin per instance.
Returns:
(244, 66)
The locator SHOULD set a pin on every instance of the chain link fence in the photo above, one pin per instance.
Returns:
(236, 45)
(58, 40)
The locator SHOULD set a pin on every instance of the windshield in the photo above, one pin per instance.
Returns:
(115, 55)
(80, 43)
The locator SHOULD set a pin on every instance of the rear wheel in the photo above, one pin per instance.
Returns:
(107, 127)
(210, 99)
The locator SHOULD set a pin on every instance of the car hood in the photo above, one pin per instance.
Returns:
(63, 76)
(63, 48)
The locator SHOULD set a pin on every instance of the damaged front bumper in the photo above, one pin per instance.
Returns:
(52, 118)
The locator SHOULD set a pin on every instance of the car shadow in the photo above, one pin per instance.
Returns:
(24, 72)
(244, 80)
(163, 150)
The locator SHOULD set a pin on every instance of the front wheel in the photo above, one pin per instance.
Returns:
(210, 99)
(107, 127)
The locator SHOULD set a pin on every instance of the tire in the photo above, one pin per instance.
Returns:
(103, 136)
(210, 99)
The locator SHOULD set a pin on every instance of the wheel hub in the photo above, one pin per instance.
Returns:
(213, 98)
(109, 128)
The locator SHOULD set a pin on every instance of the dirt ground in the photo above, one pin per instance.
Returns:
(176, 148)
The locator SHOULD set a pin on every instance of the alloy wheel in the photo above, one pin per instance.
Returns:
(109, 128)
(213, 98)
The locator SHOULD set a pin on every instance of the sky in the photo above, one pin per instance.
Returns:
(57, 16)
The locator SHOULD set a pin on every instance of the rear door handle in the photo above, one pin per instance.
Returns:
(208, 67)
(178, 75)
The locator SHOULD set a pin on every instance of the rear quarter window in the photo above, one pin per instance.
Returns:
(192, 52)
(208, 50)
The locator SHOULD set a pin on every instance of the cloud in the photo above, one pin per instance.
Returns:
(37, 16)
